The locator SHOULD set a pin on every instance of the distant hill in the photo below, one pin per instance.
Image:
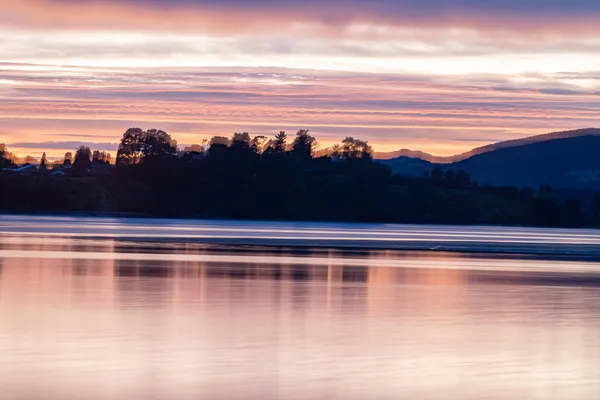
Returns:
(572, 162)
(569, 161)
(485, 149)
(406, 153)
(409, 166)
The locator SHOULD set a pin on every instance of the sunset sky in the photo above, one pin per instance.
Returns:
(441, 76)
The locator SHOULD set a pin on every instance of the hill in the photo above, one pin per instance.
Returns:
(572, 162)
(406, 153)
(485, 149)
(409, 166)
(569, 163)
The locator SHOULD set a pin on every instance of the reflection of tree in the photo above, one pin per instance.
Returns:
(355, 274)
(144, 269)
(80, 267)
(300, 273)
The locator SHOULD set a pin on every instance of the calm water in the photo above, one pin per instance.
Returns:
(121, 318)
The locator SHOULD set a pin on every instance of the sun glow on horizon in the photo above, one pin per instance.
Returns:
(397, 77)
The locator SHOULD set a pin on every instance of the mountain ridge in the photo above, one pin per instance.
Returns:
(569, 160)
(487, 148)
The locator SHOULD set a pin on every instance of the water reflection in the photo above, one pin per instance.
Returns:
(584, 243)
(122, 328)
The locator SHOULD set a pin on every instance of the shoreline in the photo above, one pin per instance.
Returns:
(553, 252)
(550, 243)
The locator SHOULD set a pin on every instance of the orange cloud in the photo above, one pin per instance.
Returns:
(390, 111)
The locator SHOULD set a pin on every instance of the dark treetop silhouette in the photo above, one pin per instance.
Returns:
(246, 177)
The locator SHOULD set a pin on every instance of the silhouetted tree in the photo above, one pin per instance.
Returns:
(237, 181)
(219, 140)
(83, 158)
(544, 210)
(138, 146)
(303, 144)
(158, 146)
(241, 140)
(355, 148)
(4, 161)
(280, 142)
(44, 162)
(449, 177)
(596, 210)
(100, 157)
(526, 194)
(194, 148)
(258, 143)
(30, 160)
(437, 174)
(572, 213)
(336, 151)
(131, 147)
(462, 180)
(68, 159)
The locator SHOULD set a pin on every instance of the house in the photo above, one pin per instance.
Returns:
(27, 169)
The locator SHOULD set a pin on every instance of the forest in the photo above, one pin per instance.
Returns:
(282, 178)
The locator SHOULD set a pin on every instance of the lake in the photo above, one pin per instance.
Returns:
(159, 309)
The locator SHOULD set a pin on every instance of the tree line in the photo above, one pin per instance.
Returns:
(279, 178)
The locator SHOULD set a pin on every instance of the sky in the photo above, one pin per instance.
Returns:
(441, 76)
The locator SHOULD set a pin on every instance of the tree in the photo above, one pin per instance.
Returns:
(131, 146)
(44, 162)
(462, 179)
(572, 213)
(138, 146)
(241, 140)
(30, 160)
(158, 145)
(303, 144)
(83, 158)
(596, 209)
(219, 140)
(355, 149)
(336, 151)
(449, 177)
(193, 148)
(258, 143)
(3, 156)
(68, 160)
(279, 144)
(100, 157)
(437, 174)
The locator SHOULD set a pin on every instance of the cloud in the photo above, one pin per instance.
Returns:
(433, 73)
(42, 105)
(53, 145)
(373, 17)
